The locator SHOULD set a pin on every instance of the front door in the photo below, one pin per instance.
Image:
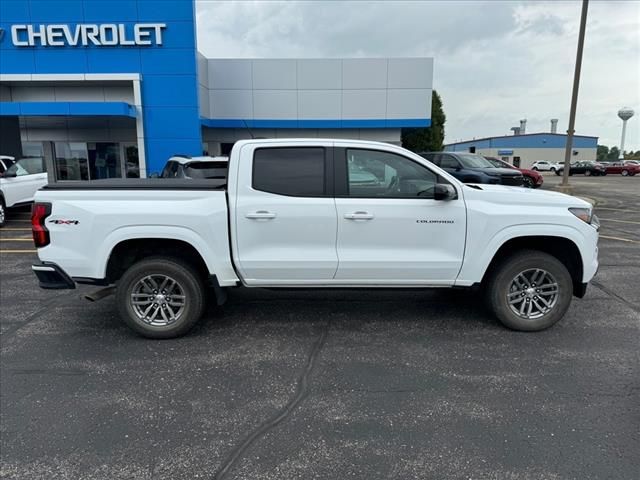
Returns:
(24, 178)
(285, 216)
(391, 230)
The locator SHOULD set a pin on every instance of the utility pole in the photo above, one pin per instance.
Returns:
(564, 186)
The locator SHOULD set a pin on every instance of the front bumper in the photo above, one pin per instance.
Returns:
(52, 277)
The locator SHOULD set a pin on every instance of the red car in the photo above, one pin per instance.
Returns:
(623, 168)
(531, 178)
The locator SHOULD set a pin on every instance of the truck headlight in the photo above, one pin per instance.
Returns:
(586, 215)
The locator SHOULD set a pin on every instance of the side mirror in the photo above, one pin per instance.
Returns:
(444, 191)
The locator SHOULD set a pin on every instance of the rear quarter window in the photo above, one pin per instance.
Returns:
(292, 171)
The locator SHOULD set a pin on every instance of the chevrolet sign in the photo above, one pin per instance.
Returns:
(107, 34)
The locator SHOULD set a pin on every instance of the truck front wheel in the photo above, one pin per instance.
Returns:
(160, 297)
(530, 291)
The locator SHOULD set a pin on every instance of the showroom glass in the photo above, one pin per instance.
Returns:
(104, 160)
(374, 174)
(296, 172)
(71, 161)
(132, 161)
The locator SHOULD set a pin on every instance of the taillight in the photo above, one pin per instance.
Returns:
(39, 213)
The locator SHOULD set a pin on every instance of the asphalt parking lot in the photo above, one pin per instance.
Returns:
(329, 384)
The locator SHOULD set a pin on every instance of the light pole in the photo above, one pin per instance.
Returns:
(624, 114)
(564, 186)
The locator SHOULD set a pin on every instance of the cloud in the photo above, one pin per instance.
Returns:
(495, 62)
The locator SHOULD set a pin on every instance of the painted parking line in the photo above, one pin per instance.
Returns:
(619, 221)
(11, 229)
(619, 239)
(18, 251)
(615, 209)
(21, 239)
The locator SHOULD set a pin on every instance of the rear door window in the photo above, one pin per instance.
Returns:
(296, 171)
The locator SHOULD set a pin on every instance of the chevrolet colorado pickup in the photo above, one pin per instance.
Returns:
(314, 213)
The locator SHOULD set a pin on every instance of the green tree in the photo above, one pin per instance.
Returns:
(614, 153)
(603, 151)
(429, 138)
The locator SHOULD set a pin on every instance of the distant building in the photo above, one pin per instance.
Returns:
(524, 150)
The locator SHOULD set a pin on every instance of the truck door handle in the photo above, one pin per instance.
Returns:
(261, 214)
(358, 216)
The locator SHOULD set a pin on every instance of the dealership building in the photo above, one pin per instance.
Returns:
(105, 89)
(522, 150)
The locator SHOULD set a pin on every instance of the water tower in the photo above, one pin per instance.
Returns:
(625, 114)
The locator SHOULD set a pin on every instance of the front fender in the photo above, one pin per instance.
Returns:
(480, 252)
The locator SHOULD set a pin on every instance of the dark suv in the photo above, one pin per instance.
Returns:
(473, 168)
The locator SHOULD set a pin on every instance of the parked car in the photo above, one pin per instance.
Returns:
(585, 168)
(530, 178)
(5, 162)
(623, 168)
(19, 184)
(473, 168)
(291, 215)
(544, 166)
(182, 166)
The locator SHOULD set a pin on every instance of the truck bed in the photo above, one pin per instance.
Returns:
(141, 184)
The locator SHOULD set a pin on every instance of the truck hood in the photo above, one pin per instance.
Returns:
(504, 194)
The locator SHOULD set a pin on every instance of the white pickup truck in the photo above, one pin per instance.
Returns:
(314, 213)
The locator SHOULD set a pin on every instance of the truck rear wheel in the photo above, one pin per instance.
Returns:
(530, 291)
(160, 297)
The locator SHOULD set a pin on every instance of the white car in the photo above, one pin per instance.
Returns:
(20, 182)
(312, 213)
(183, 166)
(5, 162)
(544, 166)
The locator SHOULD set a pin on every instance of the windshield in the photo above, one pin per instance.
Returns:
(206, 170)
(470, 160)
(27, 166)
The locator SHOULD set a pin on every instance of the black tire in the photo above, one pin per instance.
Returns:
(558, 172)
(535, 169)
(528, 182)
(189, 282)
(625, 173)
(553, 169)
(3, 212)
(587, 173)
(499, 284)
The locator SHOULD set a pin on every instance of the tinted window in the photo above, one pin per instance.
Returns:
(290, 171)
(372, 174)
(447, 161)
(473, 161)
(170, 170)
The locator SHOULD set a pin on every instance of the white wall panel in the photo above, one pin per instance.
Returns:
(274, 74)
(231, 104)
(319, 74)
(410, 72)
(79, 94)
(319, 104)
(364, 73)
(275, 104)
(369, 104)
(229, 73)
(408, 103)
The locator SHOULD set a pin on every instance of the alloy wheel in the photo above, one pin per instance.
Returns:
(158, 300)
(532, 293)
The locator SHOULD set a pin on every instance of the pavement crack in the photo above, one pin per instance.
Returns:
(616, 296)
(302, 390)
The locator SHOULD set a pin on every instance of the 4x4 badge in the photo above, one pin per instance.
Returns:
(65, 222)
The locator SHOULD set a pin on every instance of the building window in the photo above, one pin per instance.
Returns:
(32, 149)
(71, 161)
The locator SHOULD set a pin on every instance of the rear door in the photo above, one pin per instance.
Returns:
(390, 228)
(285, 215)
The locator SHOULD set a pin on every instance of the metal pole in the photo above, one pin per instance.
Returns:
(574, 95)
(624, 131)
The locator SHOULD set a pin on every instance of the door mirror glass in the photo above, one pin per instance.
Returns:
(444, 191)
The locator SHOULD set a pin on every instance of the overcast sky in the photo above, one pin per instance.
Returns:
(495, 62)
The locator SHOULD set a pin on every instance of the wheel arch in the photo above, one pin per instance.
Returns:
(128, 252)
(562, 248)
